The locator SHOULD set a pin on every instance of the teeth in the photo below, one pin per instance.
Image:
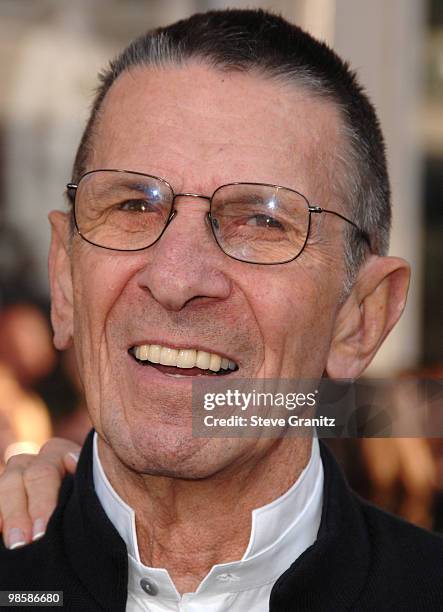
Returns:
(186, 358)
(183, 358)
(215, 363)
(143, 352)
(203, 360)
(154, 353)
(168, 356)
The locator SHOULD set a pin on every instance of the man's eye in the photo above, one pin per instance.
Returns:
(264, 221)
(136, 206)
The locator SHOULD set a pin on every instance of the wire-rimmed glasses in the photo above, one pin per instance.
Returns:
(256, 223)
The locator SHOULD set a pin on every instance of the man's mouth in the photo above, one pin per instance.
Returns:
(182, 362)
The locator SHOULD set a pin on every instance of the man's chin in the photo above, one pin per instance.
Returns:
(177, 454)
(169, 452)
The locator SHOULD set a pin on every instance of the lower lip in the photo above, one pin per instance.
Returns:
(184, 372)
(151, 373)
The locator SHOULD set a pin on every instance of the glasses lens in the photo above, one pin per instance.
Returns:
(122, 210)
(260, 223)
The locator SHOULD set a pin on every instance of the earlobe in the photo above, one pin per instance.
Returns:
(61, 280)
(370, 312)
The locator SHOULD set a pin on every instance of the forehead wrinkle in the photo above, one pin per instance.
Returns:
(185, 171)
(205, 150)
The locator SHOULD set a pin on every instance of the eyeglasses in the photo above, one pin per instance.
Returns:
(256, 223)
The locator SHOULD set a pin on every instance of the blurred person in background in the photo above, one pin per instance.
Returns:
(26, 356)
(403, 475)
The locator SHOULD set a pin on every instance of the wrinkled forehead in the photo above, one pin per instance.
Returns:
(196, 121)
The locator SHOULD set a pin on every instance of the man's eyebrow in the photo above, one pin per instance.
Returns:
(110, 189)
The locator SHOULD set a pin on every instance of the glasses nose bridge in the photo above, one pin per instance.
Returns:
(173, 213)
(190, 195)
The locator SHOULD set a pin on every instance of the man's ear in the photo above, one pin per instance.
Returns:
(60, 280)
(367, 316)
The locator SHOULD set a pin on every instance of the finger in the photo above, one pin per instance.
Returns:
(71, 460)
(29, 489)
(42, 480)
(16, 522)
(57, 448)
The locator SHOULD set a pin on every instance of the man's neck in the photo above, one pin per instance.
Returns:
(187, 526)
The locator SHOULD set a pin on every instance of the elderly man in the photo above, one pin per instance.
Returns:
(230, 216)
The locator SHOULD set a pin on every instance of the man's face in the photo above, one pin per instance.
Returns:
(199, 128)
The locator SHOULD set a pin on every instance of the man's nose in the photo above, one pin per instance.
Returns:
(186, 263)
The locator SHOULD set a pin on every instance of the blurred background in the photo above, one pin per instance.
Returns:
(50, 53)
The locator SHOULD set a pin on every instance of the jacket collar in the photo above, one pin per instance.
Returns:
(95, 549)
(330, 574)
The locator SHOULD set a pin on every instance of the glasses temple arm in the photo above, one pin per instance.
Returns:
(363, 234)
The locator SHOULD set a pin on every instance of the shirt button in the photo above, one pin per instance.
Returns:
(227, 578)
(149, 587)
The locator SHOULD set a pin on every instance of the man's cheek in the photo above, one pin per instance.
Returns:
(281, 311)
(297, 334)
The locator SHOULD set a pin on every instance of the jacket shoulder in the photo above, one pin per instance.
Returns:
(406, 561)
(397, 536)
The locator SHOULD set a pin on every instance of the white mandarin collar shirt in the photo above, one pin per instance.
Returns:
(281, 531)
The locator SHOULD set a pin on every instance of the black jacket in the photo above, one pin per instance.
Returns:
(363, 559)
